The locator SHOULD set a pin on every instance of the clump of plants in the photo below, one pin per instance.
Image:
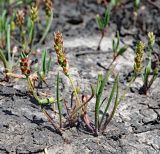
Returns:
(149, 70)
(75, 113)
(21, 28)
(72, 113)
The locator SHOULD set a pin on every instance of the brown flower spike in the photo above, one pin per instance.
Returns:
(58, 45)
(20, 18)
(48, 6)
(25, 66)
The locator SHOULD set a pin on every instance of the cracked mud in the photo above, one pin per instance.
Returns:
(135, 129)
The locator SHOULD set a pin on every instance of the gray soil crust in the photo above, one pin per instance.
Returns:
(135, 128)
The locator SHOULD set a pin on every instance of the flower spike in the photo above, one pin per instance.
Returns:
(58, 45)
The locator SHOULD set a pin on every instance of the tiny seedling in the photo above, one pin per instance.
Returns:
(43, 71)
(117, 51)
(103, 23)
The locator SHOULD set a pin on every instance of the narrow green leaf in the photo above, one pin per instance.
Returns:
(113, 46)
(99, 22)
(9, 43)
(47, 28)
(99, 81)
(118, 40)
(154, 77)
(49, 64)
(44, 69)
(3, 59)
(99, 92)
(106, 17)
(116, 103)
(59, 104)
(110, 99)
(104, 81)
(147, 73)
(122, 51)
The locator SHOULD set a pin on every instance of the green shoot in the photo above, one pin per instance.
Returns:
(59, 104)
(48, 25)
(102, 23)
(116, 103)
(101, 82)
(46, 64)
(109, 100)
(117, 51)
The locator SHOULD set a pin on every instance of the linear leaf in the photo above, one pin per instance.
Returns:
(44, 69)
(49, 64)
(99, 22)
(110, 99)
(116, 103)
(98, 97)
(122, 51)
(106, 17)
(59, 104)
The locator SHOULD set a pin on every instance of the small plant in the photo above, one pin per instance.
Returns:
(149, 72)
(117, 51)
(151, 69)
(77, 113)
(102, 23)
(63, 62)
(102, 119)
(43, 71)
(21, 28)
(25, 69)
(7, 57)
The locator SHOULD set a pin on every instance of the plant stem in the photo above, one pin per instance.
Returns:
(114, 59)
(32, 35)
(59, 104)
(99, 44)
(18, 76)
(49, 22)
(40, 101)
(127, 88)
(75, 91)
(22, 35)
(79, 107)
(2, 57)
(51, 121)
(8, 43)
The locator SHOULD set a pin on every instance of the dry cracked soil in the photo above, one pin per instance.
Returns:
(135, 128)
